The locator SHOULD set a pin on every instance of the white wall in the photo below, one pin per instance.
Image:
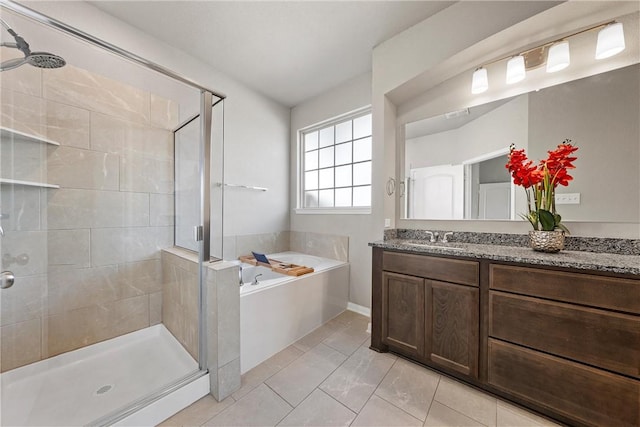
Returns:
(347, 97)
(256, 128)
(490, 132)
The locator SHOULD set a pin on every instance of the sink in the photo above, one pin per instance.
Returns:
(435, 246)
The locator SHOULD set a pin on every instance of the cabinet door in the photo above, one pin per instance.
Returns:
(403, 313)
(452, 322)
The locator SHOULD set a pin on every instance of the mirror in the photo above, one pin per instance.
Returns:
(454, 166)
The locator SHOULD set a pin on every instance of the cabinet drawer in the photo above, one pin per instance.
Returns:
(589, 395)
(588, 289)
(447, 270)
(597, 337)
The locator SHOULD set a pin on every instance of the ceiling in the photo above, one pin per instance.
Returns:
(288, 50)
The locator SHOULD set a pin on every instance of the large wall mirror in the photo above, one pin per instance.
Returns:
(454, 164)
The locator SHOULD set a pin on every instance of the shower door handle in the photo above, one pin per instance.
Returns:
(6, 279)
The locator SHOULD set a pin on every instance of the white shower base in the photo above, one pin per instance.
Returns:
(79, 387)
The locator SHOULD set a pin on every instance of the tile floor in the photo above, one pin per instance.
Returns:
(331, 378)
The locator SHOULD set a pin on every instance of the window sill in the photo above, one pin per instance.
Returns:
(333, 211)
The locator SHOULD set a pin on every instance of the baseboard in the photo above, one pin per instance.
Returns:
(360, 309)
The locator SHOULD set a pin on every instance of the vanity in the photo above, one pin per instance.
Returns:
(556, 333)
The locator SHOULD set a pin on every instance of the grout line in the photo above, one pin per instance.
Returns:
(433, 399)
(393, 404)
(336, 400)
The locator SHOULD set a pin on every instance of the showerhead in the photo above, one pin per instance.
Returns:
(45, 60)
(37, 59)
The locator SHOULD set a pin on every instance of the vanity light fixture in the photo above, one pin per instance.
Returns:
(610, 40)
(558, 57)
(480, 81)
(515, 69)
(555, 54)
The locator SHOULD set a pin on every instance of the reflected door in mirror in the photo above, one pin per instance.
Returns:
(437, 192)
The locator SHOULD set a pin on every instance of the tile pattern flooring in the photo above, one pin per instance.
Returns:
(331, 378)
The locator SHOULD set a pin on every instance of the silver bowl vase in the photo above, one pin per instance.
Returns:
(546, 241)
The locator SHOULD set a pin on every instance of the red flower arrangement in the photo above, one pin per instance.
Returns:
(540, 181)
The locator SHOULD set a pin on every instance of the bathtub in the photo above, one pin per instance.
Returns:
(281, 309)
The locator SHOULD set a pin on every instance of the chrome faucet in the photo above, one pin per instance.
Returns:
(445, 239)
(433, 236)
(255, 279)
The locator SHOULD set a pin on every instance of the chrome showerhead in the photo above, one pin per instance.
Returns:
(37, 59)
(45, 60)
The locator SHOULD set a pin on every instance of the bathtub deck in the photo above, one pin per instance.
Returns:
(81, 386)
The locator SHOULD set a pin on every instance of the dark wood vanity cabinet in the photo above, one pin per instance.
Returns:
(573, 337)
(429, 310)
(563, 342)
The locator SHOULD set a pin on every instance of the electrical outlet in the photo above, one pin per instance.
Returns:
(567, 198)
(387, 222)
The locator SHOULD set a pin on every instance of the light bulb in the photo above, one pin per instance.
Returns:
(558, 57)
(515, 69)
(610, 41)
(479, 82)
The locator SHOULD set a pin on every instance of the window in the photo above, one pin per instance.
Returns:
(336, 164)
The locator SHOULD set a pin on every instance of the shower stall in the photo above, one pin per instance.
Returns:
(106, 163)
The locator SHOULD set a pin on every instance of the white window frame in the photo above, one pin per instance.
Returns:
(343, 210)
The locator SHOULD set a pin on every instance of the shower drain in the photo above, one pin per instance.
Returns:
(104, 389)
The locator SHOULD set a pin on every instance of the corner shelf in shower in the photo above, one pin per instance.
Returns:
(27, 183)
(6, 132)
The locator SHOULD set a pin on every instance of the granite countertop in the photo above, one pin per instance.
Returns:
(615, 263)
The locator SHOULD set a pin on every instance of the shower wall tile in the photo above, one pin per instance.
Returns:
(25, 301)
(146, 175)
(71, 288)
(24, 113)
(228, 306)
(161, 207)
(117, 136)
(30, 247)
(75, 329)
(122, 245)
(22, 204)
(185, 259)
(165, 113)
(106, 133)
(84, 89)
(27, 80)
(23, 160)
(76, 168)
(70, 248)
(139, 278)
(78, 328)
(155, 308)
(223, 328)
(180, 300)
(20, 344)
(67, 125)
(73, 209)
(129, 315)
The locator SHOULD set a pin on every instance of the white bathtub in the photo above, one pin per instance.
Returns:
(281, 309)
